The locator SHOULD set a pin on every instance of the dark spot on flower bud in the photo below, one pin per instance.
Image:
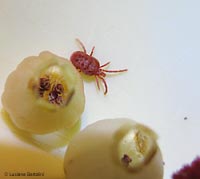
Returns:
(45, 84)
(59, 88)
(126, 159)
(53, 96)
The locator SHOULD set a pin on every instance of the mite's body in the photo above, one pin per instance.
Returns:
(89, 65)
(85, 63)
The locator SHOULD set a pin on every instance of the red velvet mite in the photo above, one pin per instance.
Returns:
(89, 65)
(189, 171)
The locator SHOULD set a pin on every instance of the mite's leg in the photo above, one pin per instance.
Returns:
(114, 71)
(92, 51)
(105, 84)
(105, 64)
(97, 81)
(81, 44)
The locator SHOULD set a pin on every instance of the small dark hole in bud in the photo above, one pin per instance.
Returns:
(126, 159)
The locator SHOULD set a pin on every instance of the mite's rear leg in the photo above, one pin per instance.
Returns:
(114, 71)
(105, 85)
(111, 71)
(97, 81)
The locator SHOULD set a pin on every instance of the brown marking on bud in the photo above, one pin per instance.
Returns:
(126, 159)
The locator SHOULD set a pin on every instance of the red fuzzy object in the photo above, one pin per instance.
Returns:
(191, 171)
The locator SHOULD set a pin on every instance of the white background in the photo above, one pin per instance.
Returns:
(158, 41)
